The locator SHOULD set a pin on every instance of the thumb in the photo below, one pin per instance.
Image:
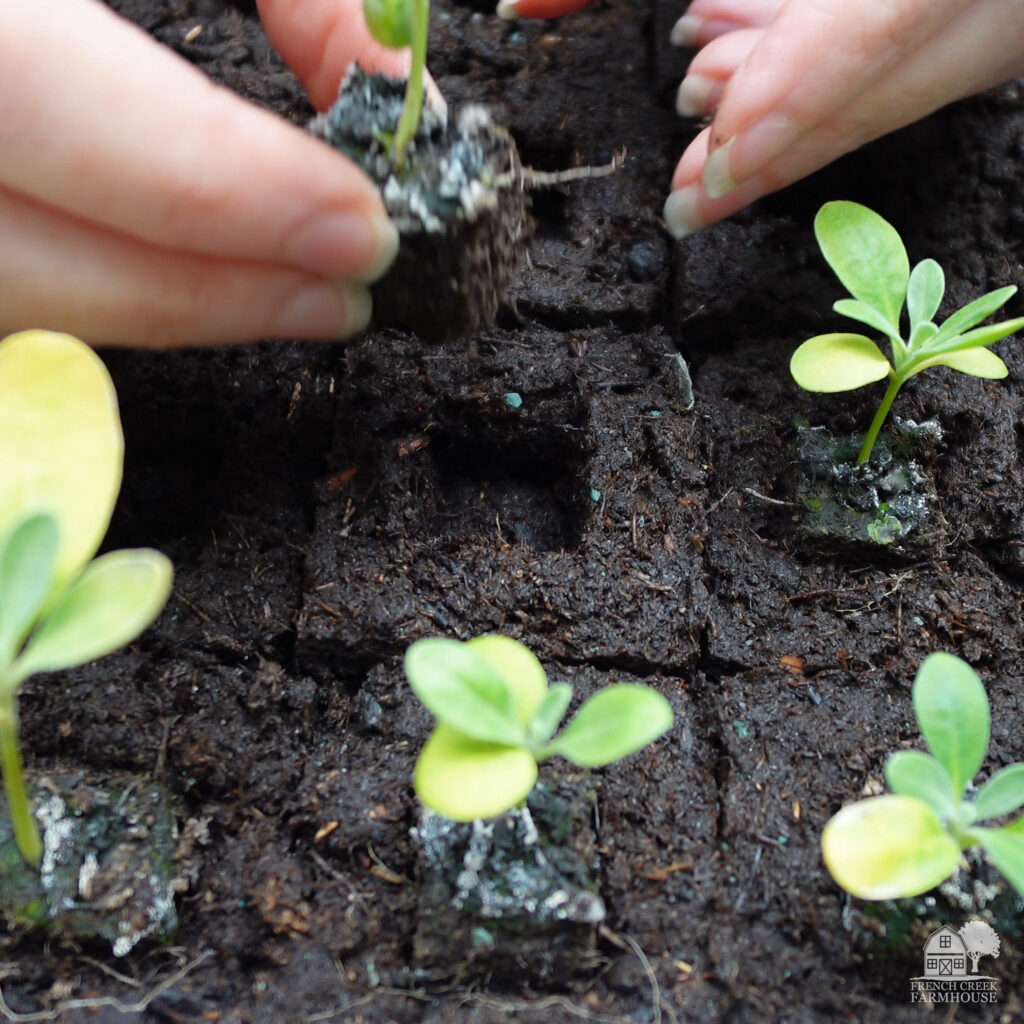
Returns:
(319, 39)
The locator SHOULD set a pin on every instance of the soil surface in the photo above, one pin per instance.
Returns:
(326, 505)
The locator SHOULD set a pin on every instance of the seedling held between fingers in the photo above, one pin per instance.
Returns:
(497, 718)
(397, 24)
(869, 258)
(61, 455)
(904, 844)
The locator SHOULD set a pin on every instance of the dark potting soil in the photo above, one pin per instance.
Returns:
(326, 505)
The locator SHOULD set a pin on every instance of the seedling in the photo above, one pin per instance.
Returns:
(908, 842)
(869, 258)
(397, 24)
(497, 718)
(61, 457)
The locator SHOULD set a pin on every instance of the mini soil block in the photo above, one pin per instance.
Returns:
(514, 896)
(887, 505)
(458, 203)
(108, 867)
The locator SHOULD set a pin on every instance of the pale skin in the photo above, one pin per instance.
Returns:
(142, 205)
(793, 84)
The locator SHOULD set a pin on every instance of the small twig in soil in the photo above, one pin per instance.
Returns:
(193, 606)
(112, 1001)
(100, 966)
(626, 942)
(714, 506)
(765, 498)
(381, 870)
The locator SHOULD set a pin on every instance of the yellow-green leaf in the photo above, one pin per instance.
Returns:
(465, 779)
(615, 722)
(978, 362)
(390, 22)
(518, 666)
(114, 599)
(887, 847)
(838, 362)
(867, 255)
(464, 690)
(61, 447)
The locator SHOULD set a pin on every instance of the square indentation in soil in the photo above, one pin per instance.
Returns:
(511, 467)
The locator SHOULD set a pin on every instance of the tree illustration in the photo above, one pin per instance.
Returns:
(981, 940)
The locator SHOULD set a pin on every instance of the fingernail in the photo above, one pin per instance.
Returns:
(325, 311)
(685, 30)
(717, 178)
(680, 212)
(358, 247)
(507, 9)
(748, 152)
(694, 96)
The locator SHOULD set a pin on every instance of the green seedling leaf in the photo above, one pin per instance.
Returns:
(838, 362)
(462, 689)
(915, 773)
(989, 334)
(865, 314)
(61, 447)
(1005, 848)
(518, 666)
(465, 778)
(920, 338)
(974, 312)
(886, 847)
(546, 718)
(867, 255)
(952, 711)
(975, 362)
(114, 599)
(615, 722)
(925, 289)
(390, 22)
(1002, 794)
(26, 579)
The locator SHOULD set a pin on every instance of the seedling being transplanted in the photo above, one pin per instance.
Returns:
(908, 842)
(497, 718)
(397, 24)
(61, 457)
(869, 258)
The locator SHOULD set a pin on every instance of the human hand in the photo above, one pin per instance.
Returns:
(794, 84)
(142, 205)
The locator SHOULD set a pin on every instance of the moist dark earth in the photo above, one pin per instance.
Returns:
(326, 505)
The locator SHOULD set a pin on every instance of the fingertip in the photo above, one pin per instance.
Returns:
(343, 243)
(717, 175)
(743, 156)
(680, 212)
(323, 310)
(691, 163)
(697, 95)
(538, 8)
(686, 31)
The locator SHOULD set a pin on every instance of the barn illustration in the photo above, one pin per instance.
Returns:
(945, 955)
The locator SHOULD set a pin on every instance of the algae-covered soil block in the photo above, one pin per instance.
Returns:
(457, 201)
(513, 896)
(888, 504)
(108, 869)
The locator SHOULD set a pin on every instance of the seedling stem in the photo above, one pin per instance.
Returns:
(26, 834)
(410, 117)
(895, 383)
